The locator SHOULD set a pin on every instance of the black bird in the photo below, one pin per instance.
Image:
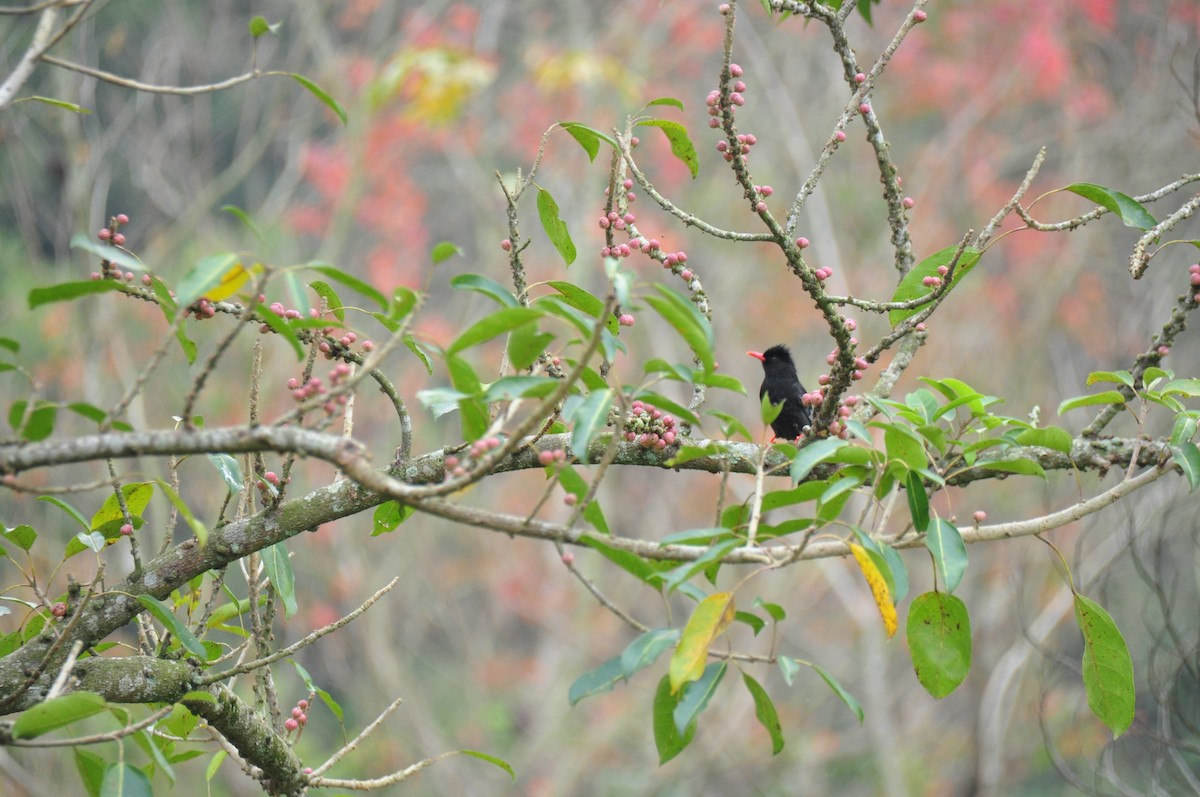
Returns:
(782, 384)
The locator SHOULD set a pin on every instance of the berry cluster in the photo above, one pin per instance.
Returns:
(456, 467)
(298, 719)
(649, 426)
(270, 484)
(110, 234)
(550, 456)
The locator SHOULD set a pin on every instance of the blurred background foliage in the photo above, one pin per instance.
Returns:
(485, 633)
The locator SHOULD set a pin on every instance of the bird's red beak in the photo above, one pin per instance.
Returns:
(758, 355)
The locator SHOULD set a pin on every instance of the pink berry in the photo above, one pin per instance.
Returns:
(739, 86)
(368, 345)
(291, 724)
(506, 245)
(147, 279)
(920, 327)
(95, 275)
(634, 141)
(604, 223)
(568, 558)
(722, 146)
(735, 70)
(860, 78)
(1194, 268)
(714, 123)
(570, 499)
(122, 218)
(851, 324)
(545, 457)
(297, 712)
(839, 136)
(1195, 278)
(920, 16)
(802, 243)
(724, 9)
(59, 609)
(908, 202)
(126, 529)
(625, 320)
(979, 516)
(1163, 351)
(303, 704)
(686, 275)
(943, 270)
(861, 363)
(864, 108)
(761, 207)
(104, 234)
(736, 98)
(823, 379)
(119, 239)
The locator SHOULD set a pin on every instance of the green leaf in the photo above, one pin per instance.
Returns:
(631, 563)
(231, 472)
(555, 227)
(838, 690)
(485, 285)
(242, 215)
(1131, 212)
(912, 287)
(697, 694)
(123, 780)
(895, 568)
(918, 501)
(1120, 377)
(326, 698)
(21, 536)
(665, 404)
(473, 413)
(164, 615)
(496, 323)
(280, 325)
(333, 302)
(63, 104)
(320, 94)
(388, 516)
(939, 638)
(667, 739)
(214, 765)
(589, 418)
(91, 770)
(681, 145)
(526, 344)
(350, 281)
(645, 650)
(198, 528)
(1023, 467)
(812, 455)
(582, 300)
(764, 709)
(66, 291)
(507, 388)
(693, 537)
(443, 251)
(70, 510)
(594, 682)
(904, 446)
(671, 101)
(1187, 457)
(691, 325)
(491, 759)
(57, 713)
(1182, 387)
(1107, 667)
(1107, 397)
(109, 252)
(40, 423)
(688, 569)
(588, 138)
(279, 569)
(1051, 437)
(949, 553)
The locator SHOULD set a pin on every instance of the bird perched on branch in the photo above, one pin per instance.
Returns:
(782, 383)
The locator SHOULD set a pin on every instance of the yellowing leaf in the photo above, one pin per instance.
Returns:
(712, 616)
(879, 588)
(233, 281)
